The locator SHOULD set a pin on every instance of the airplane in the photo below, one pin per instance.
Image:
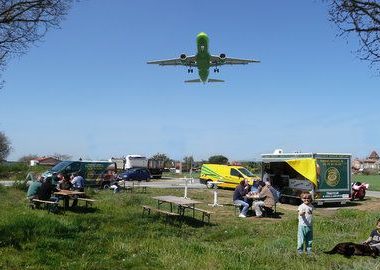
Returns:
(203, 61)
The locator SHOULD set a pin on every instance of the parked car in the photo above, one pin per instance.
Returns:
(138, 174)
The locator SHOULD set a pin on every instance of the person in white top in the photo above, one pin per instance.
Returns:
(305, 224)
(266, 177)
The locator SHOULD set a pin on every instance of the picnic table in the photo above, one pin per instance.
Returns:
(66, 194)
(180, 202)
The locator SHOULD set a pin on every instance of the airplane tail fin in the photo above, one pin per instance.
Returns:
(215, 80)
(193, 81)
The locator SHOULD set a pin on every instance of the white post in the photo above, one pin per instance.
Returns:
(185, 196)
(215, 197)
(216, 194)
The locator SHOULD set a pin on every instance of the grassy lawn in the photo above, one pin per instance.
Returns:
(372, 180)
(116, 236)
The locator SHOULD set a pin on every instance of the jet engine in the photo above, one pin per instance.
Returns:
(183, 57)
(222, 56)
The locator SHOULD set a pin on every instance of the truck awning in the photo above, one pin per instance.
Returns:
(307, 167)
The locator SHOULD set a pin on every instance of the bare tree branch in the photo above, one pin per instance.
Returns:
(24, 22)
(361, 17)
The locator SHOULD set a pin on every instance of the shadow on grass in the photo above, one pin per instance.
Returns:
(180, 221)
(337, 204)
(83, 210)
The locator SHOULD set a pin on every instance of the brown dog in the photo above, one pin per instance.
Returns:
(349, 249)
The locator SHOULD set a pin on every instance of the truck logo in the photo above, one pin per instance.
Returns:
(332, 177)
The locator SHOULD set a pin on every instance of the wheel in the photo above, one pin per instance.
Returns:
(209, 184)
(283, 199)
(105, 186)
(293, 201)
(362, 196)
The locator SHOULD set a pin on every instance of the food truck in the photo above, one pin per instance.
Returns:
(327, 176)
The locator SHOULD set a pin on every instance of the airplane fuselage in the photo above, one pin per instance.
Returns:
(203, 56)
(203, 60)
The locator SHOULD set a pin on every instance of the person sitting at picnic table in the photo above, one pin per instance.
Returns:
(78, 184)
(64, 183)
(239, 197)
(34, 188)
(46, 190)
(266, 199)
(255, 186)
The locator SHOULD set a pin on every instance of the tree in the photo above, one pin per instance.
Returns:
(24, 22)
(361, 17)
(5, 146)
(188, 162)
(162, 157)
(28, 158)
(61, 156)
(218, 159)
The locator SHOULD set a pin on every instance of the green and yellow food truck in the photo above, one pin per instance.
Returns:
(327, 176)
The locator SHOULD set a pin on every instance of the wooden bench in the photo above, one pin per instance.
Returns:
(49, 205)
(149, 209)
(205, 213)
(87, 200)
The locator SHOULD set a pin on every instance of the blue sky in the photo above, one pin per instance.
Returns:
(86, 89)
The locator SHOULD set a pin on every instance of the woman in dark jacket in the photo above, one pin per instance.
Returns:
(238, 198)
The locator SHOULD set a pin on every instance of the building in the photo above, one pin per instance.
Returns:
(48, 161)
(372, 162)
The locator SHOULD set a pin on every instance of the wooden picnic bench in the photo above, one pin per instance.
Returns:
(49, 205)
(149, 209)
(205, 213)
(87, 200)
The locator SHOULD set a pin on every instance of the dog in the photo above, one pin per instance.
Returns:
(349, 249)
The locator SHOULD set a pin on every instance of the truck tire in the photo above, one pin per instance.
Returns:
(209, 184)
(283, 199)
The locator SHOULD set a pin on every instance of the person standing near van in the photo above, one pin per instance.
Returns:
(266, 176)
(242, 190)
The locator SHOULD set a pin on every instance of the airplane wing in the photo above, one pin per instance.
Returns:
(189, 61)
(216, 60)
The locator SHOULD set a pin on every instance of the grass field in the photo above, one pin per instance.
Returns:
(372, 180)
(116, 236)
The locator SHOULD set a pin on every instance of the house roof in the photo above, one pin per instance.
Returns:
(374, 155)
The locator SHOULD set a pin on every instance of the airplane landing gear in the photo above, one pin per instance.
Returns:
(216, 70)
(190, 70)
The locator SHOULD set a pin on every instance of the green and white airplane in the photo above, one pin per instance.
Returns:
(203, 60)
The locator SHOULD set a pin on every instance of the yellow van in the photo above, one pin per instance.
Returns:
(229, 175)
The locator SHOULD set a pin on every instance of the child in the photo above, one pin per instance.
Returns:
(305, 225)
(374, 238)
